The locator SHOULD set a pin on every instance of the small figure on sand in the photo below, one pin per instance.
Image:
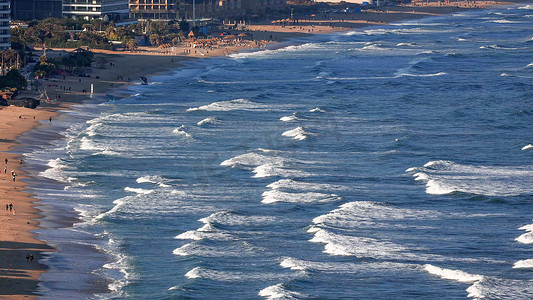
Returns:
(7, 207)
(10, 206)
(21, 161)
(6, 161)
(31, 258)
(27, 257)
(50, 119)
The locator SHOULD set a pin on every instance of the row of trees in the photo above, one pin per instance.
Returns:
(70, 33)
(12, 81)
(73, 62)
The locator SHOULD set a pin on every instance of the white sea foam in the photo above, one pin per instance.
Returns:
(342, 267)
(444, 177)
(56, 170)
(298, 133)
(505, 21)
(523, 264)
(527, 147)
(289, 118)
(91, 130)
(236, 249)
(237, 104)
(233, 219)
(291, 184)
(87, 144)
(455, 275)
(420, 75)
(182, 131)
(205, 232)
(264, 165)
(317, 109)
(250, 160)
(277, 169)
(118, 271)
(149, 179)
(406, 44)
(118, 204)
(497, 288)
(233, 276)
(367, 214)
(529, 6)
(278, 291)
(208, 121)
(108, 153)
(138, 190)
(361, 247)
(274, 196)
(526, 238)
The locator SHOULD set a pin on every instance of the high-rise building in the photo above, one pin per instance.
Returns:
(96, 9)
(157, 9)
(4, 25)
(36, 9)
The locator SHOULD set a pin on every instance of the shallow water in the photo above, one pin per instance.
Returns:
(383, 162)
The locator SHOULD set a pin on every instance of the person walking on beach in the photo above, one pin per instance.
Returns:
(31, 258)
(7, 207)
(10, 206)
(6, 161)
(27, 257)
(14, 212)
(5, 170)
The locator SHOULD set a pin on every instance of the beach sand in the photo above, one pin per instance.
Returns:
(113, 72)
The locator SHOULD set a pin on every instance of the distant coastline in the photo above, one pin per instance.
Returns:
(121, 69)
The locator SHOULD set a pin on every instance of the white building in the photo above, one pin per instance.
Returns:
(96, 9)
(4, 25)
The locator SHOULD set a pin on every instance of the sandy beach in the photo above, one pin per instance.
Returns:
(111, 72)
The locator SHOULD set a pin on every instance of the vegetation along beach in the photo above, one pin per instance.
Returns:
(276, 150)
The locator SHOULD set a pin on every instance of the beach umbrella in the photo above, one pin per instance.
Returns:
(242, 34)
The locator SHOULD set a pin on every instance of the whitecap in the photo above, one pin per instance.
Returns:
(237, 104)
(523, 264)
(444, 177)
(181, 131)
(138, 190)
(277, 169)
(289, 118)
(208, 121)
(291, 184)
(250, 160)
(279, 291)
(274, 196)
(450, 274)
(317, 109)
(527, 147)
(298, 133)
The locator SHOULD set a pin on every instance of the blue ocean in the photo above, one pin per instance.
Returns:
(386, 162)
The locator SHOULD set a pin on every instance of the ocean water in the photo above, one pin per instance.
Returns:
(385, 162)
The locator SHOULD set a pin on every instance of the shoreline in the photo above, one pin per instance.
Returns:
(18, 237)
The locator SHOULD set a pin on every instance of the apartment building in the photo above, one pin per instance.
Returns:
(157, 9)
(36, 9)
(96, 9)
(4, 24)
